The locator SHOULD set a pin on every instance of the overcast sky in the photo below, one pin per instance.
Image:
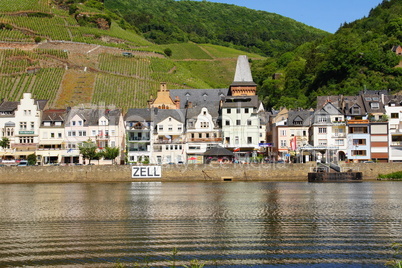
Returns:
(322, 14)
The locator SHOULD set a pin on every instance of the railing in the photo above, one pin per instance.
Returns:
(338, 135)
(137, 150)
(362, 121)
(396, 143)
(132, 139)
(206, 140)
(339, 123)
(168, 142)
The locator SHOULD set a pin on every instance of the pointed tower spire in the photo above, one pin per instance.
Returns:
(243, 84)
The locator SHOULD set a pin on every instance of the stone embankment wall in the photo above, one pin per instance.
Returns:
(234, 172)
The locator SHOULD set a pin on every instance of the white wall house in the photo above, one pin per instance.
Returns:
(169, 137)
(393, 107)
(203, 133)
(51, 137)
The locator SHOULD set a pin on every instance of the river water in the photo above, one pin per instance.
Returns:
(231, 224)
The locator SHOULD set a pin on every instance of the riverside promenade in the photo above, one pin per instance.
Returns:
(207, 172)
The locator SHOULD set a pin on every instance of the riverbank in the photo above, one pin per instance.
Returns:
(217, 172)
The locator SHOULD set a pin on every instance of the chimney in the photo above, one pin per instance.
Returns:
(190, 105)
(177, 102)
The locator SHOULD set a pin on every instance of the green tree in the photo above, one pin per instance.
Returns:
(111, 153)
(168, 52)
(5, 143)
(88, 150)
(31, 159)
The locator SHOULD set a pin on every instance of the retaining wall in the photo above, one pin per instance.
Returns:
(234, 172)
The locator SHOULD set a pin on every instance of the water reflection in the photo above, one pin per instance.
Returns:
(236, 224)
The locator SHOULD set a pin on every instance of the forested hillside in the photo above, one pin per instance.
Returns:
(169, 21)
(357, 57)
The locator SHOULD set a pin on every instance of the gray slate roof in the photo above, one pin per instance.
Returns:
(199, 97)
(161, 114)
(91, 116)
(139, 115)
(303, 116)
(9, 106)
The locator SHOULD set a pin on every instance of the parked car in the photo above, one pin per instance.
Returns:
(23, 163)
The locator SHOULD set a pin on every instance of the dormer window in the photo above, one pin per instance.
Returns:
(355, 110)
(375, 105)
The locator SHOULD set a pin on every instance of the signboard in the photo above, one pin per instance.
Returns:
(27, 132)
(146, 172)
(266, 144)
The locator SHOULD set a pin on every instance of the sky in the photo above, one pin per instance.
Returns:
(326, 15)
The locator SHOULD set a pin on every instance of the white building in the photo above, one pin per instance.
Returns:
(51, 137)
(139, 135)
(169, 136)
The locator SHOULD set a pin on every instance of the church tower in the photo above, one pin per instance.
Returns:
(243, 84)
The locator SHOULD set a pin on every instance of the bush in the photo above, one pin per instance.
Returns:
(38, 39)
(168, 52)
(391, 176)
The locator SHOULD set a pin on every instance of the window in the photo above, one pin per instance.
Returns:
(248, 122)
(160, 127)
(359, 142)
(358, 152)
(283, 143)
(238, 110)
(283, 132)
(52, 135)
(358, 130)
(375, 105)
(229, 111)
(246, 110)
(394, 115)
(80, 123)
(227, 123)
(339, 142)
(322, 130)
(170, 128)
(26, 139)
(355, 110)
(322, 142)
(32, 125)
(322, 119)
(206, 135)
(74, 123)
(180, 127)
(237, 140)
(192, 135)
(249, 140)
(59, 135)
(238, 122)
(23, 125)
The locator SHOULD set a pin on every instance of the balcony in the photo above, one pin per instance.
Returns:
(206, 140)
(339, 123)
(102, 137)
(139, 139)
(137, 150)
(168, 142)
(358, 122)
(396, 143)
(339, 135)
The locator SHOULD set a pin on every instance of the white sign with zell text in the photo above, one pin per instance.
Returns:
(144, 172)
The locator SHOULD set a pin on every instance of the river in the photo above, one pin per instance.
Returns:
(231, 224)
